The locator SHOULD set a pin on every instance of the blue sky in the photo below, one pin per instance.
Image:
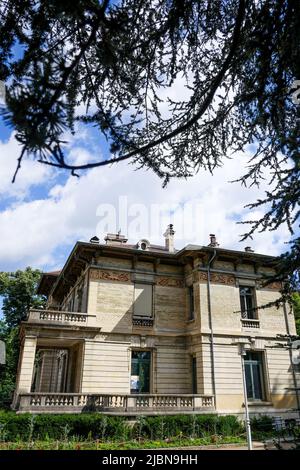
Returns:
(46, 211)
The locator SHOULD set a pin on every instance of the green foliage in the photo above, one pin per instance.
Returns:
(296, 306)
(262, 427)
(8, 372)
(161, 427)
(18, 291)
(25, 427)
(77, 444)
(238, 62)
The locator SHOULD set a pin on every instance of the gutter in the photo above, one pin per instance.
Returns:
(212, 352)
(291, 356)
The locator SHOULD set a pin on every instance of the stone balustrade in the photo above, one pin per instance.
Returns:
(120, 404)
(59, 317)
(250, 323)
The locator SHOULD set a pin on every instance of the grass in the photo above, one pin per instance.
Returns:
(75, 444)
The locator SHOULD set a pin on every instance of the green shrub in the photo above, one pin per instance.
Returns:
(229, 426)
(162, 427)
(48, 426)
(262, 424)
(91, 426)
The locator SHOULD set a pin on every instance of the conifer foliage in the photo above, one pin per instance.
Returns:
(117, 65)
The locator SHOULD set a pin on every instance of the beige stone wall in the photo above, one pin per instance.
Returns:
(106, 367)
(173, 340)
(228, 374)
(103, 261)
(26, 364)
(279, 371)
(223, 265)
(225, 307)
(112, 302)
(278, 375)
(272, 320)
(170, 309)
(173, 368)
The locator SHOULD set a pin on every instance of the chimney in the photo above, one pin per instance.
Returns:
(249, 249)
(213, 241)
(169, 238)
(115, 238)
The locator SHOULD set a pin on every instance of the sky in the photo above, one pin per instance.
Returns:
(47, 210)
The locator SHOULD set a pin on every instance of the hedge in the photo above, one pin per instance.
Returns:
(161, 427)
(15, 427)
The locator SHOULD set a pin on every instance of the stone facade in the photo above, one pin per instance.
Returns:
(180, 354)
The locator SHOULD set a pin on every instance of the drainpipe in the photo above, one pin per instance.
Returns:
(212, 353)
(291, 356)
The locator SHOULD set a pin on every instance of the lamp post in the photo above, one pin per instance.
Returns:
(242, 352)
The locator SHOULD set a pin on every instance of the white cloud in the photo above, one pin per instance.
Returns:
(30, 174)
(32, 232)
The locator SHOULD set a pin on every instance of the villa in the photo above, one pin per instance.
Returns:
(147, 329)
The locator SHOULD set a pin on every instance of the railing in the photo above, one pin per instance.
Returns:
(142, 321)
(250, 323)
(79, 402)
(57, 316)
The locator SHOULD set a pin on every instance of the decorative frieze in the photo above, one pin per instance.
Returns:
(218, 278)
(276, 285)
(169, 282)
(100, 275)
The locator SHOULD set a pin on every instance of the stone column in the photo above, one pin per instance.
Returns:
(26, 365)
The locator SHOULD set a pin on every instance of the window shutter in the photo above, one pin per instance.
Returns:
(143, 300)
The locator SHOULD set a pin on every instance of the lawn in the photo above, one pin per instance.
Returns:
(75, 444)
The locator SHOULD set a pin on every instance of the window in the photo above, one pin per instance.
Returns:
(194, 374)
(143, 294)
(248, 309)
(79, 297)
(50, 370)
(140, 372)
(191, 303)
(254, 373)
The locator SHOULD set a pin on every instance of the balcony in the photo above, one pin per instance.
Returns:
(60, 318)
(114, 404)
(250, 323)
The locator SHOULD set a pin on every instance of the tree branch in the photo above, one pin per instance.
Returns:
(207, 101)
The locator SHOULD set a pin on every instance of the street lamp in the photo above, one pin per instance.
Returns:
(243, 352)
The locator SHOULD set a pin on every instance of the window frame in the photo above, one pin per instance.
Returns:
(248, 313)
(191, 302)
(194, 374)
(139, 350)
(262, 376)
(136, 315)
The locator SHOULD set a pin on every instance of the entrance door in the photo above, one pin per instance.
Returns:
(140, 372)
(50, 370)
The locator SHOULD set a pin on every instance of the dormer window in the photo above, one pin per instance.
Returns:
(143, 245)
